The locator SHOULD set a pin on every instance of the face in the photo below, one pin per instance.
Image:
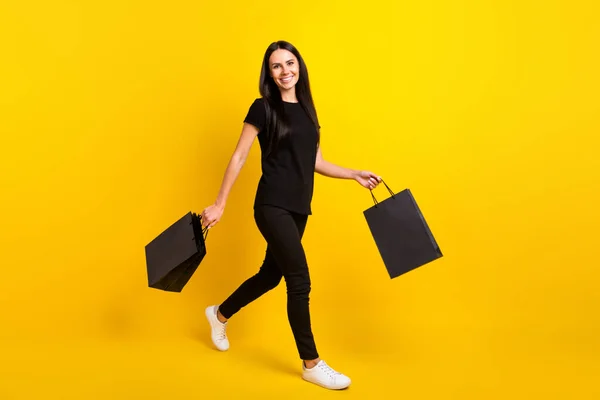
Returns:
(284, 69)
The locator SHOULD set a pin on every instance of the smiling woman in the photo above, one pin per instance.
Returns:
(285, 121)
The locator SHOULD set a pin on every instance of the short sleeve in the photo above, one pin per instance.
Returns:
(256, 114)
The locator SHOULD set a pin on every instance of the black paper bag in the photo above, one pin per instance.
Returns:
(174, 255)
(401, 233)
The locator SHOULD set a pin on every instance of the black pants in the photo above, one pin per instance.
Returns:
(285, 258)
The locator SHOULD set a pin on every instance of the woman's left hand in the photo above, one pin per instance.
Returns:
(367, 179)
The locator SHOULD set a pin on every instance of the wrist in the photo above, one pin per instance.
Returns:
(220, 204)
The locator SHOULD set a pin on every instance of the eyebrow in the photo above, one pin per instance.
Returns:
(291, 59)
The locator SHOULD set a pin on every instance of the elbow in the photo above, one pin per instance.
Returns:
(319, 166)
(238, 159)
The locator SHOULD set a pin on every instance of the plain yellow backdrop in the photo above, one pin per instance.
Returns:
(119, 117)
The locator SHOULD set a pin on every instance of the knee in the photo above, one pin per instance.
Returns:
(273, 282)
(298, 286)
(270, 281)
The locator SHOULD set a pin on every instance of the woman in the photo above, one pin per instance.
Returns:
(285, 121)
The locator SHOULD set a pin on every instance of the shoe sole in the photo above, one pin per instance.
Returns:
(323, 386)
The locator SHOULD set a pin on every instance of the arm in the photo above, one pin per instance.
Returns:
(330, 170)
(366, 179)
(212, 214)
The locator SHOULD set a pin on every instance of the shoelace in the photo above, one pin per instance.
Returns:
(221, 333)
(328, 370)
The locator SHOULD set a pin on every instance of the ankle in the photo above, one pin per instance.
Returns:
(311, 363)
(220, 317)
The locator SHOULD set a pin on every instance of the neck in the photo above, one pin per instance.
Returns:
(289, 95)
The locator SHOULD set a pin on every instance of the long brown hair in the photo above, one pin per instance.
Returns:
(277, 127)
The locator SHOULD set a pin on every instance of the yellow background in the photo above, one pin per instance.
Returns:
(119, 117)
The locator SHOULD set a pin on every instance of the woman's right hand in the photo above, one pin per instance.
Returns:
(211, 215)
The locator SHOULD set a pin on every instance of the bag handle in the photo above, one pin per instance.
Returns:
(388, 188)
(204, 230)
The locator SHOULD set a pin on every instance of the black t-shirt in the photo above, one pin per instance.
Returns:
(287, 179)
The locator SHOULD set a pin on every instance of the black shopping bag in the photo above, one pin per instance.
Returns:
(401, 233)
(174, 255)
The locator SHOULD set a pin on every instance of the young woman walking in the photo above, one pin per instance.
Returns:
(285, 122)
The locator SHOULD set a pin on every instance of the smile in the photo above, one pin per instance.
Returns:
(286, 80)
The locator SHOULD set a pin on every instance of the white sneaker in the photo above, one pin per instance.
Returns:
(218, 335)
(323, 375)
